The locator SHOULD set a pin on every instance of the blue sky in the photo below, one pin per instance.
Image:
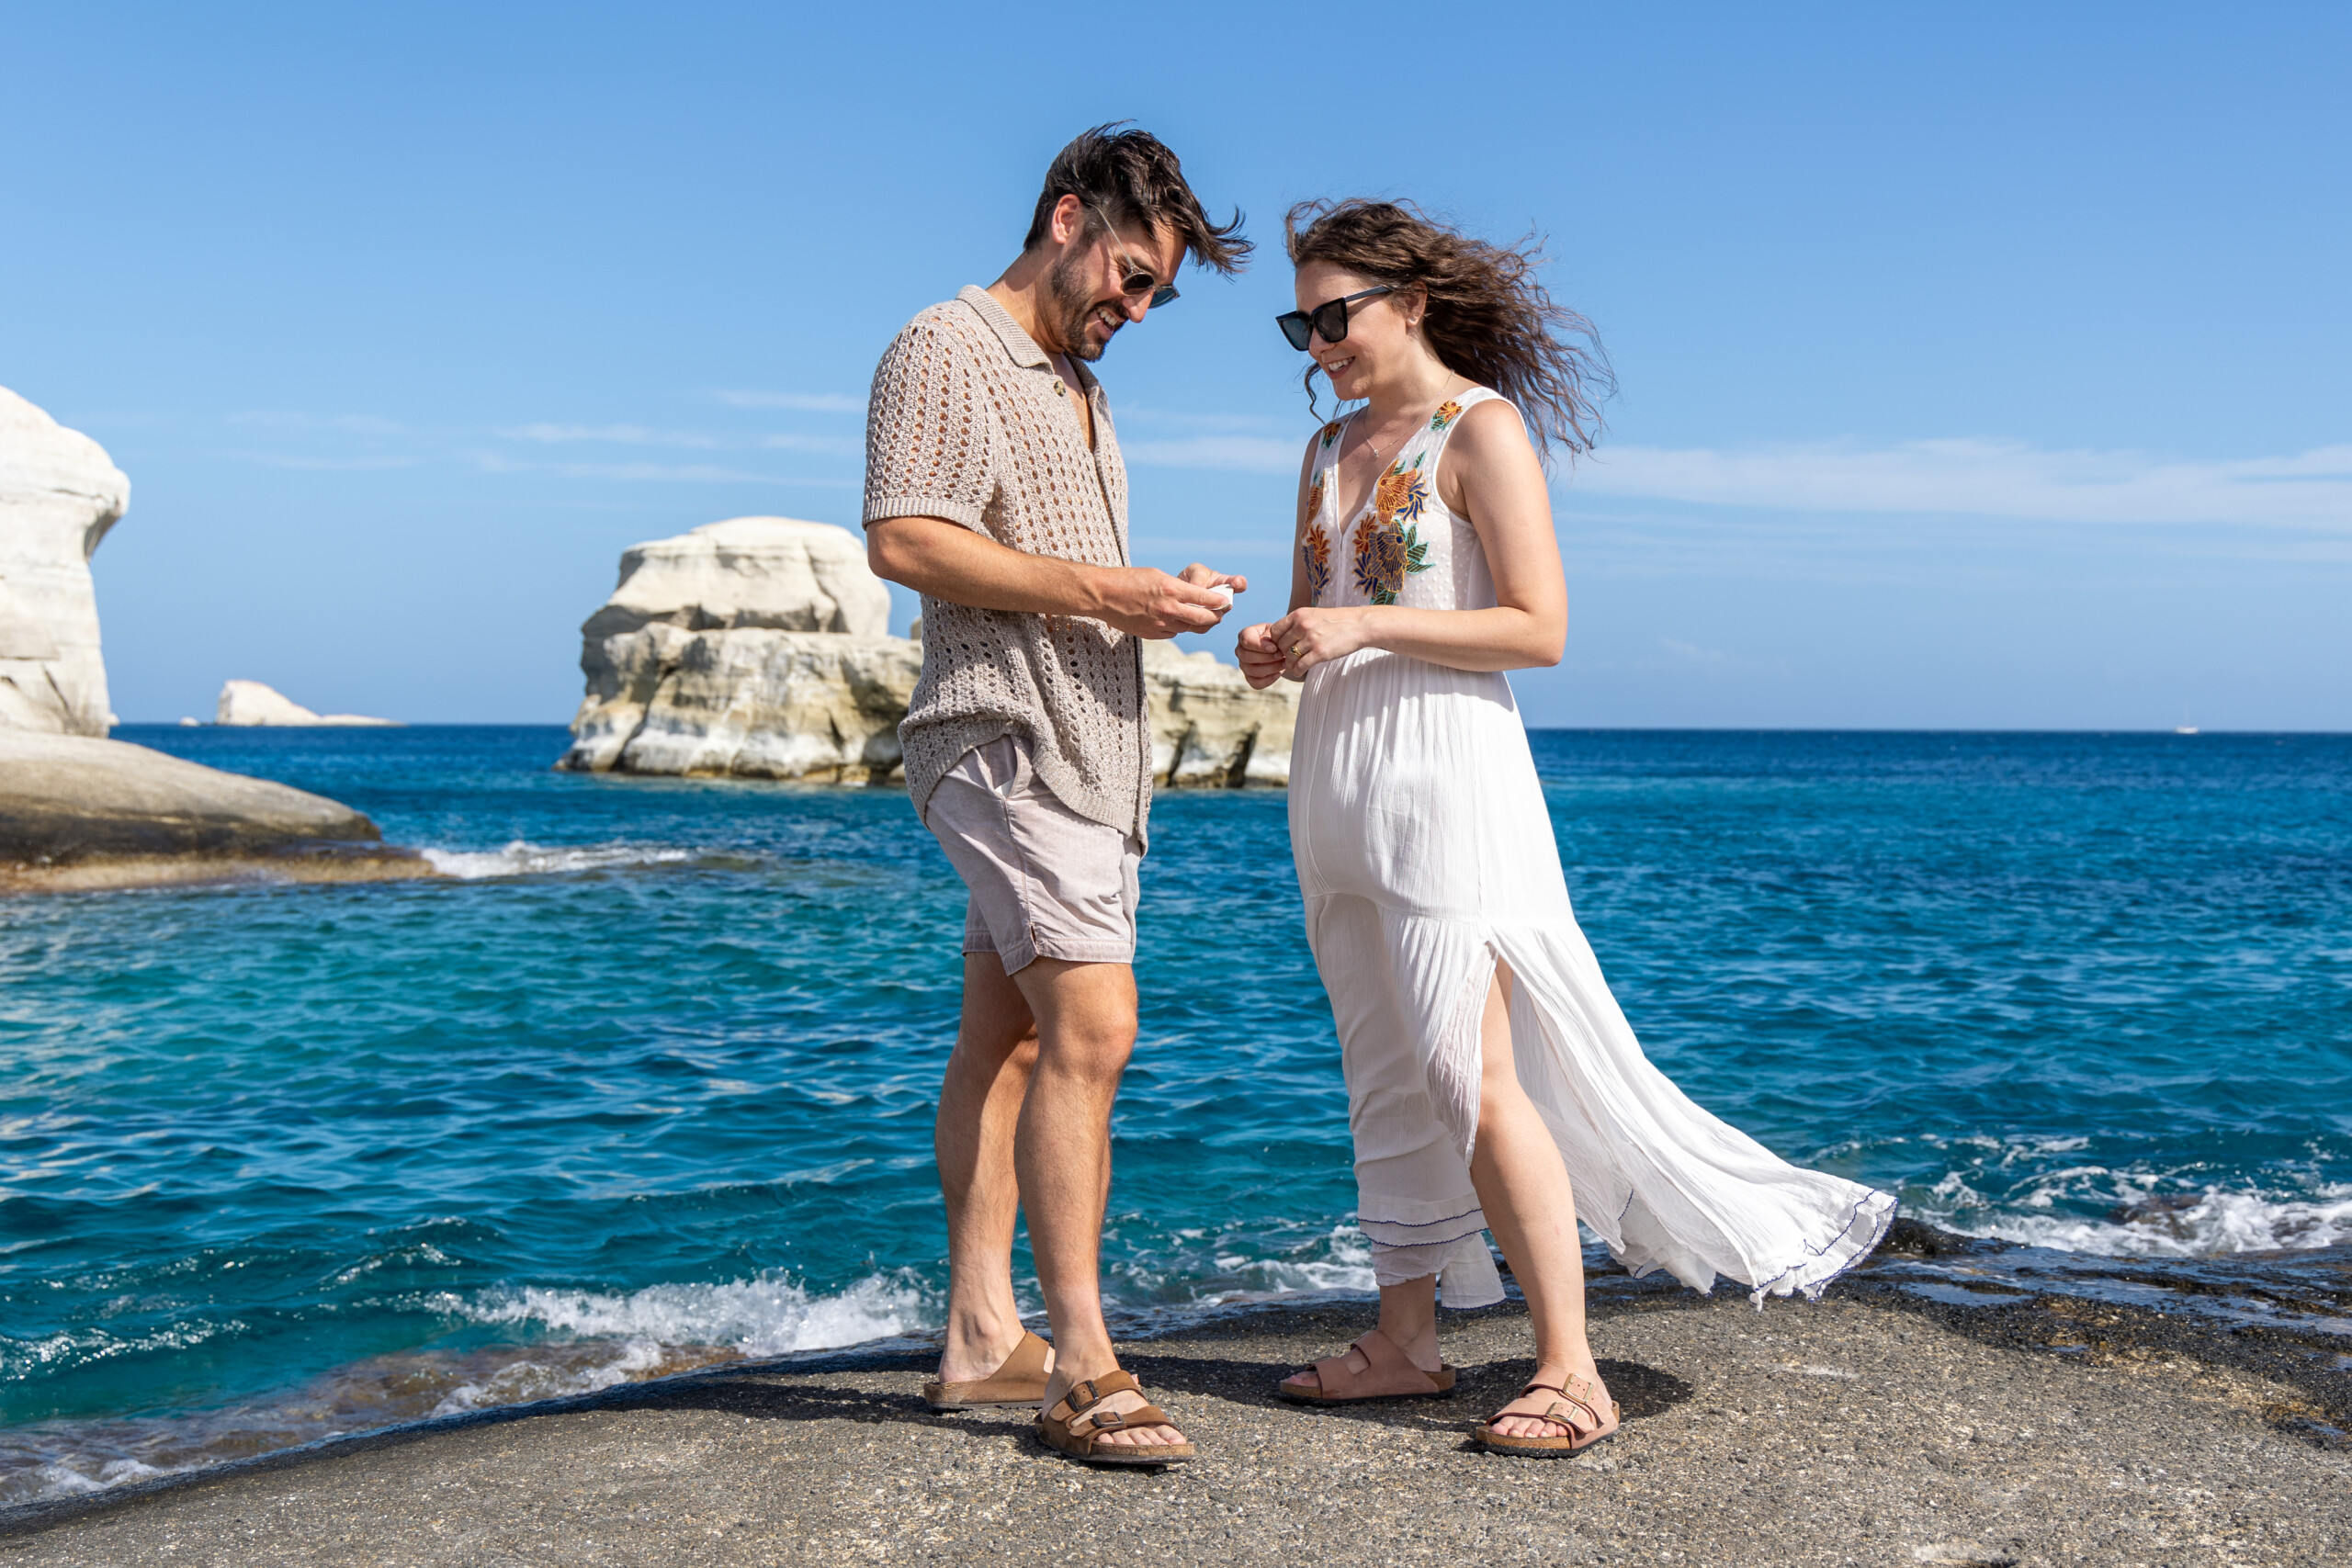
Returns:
(1982, 366)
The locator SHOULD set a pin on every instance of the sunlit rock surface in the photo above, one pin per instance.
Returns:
(1209, 727)
(59, 494)
(756, 649)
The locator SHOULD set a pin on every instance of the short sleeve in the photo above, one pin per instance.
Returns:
(926, 432)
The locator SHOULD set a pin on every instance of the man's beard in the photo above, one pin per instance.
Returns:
(1071, 307)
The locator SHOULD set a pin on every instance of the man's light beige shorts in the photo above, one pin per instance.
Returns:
(1046, 882)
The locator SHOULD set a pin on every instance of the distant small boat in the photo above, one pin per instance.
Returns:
(2184, 729)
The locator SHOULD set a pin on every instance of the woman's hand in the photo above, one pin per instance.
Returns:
(1260, 656)
(1308, 637)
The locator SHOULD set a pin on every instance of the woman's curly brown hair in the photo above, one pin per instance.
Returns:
(1489, 319)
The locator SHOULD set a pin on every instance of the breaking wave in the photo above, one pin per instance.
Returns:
(522, 858)
(585, 1341)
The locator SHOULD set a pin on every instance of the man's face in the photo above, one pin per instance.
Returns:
(1088, 287)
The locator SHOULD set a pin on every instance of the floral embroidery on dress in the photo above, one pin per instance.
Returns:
(1388, 547)
(1447, 412)
(1330, 433)
(1316, 551)
(1315, 498)
(1401, 494)
(1384, 556)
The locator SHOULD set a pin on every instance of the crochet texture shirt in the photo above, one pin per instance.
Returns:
(968, 421)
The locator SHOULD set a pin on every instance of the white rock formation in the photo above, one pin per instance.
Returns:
(777, 573)
(59, 494)
(756, 649)
(251, 703)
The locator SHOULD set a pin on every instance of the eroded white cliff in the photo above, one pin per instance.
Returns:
(59, 494)
(756, 649)
(249, 703)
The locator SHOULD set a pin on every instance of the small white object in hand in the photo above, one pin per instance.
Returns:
(1223, 592)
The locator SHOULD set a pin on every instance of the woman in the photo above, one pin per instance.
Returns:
(1492, 1081)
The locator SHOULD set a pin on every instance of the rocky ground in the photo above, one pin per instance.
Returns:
(1865, 1429)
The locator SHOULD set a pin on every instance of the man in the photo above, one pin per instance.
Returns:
(994, 488)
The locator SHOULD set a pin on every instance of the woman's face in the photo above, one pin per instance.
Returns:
(1377, 345)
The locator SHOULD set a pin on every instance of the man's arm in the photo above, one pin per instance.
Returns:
(947, 560)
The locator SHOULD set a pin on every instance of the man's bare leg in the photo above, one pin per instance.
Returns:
(1086, 1030)
(1522, 1185)
(979, 1106)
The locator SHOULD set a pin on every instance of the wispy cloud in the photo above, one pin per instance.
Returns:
(337, 423)
(640, 473)
(1247, 454)
(811, 403)
(321, 464)
(609, 435)
(1245, 423)
(1993, 479)
(839, 446)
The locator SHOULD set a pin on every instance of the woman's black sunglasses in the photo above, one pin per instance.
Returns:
(1330, 318)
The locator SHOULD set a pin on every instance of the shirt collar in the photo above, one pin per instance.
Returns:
(1018, 343)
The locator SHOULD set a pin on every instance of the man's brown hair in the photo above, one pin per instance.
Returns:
(1131, 177)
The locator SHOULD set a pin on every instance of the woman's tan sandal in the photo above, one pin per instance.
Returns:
(1577, 1412)
(1021, 1382)
(1075, 1425)
(1387, 1374)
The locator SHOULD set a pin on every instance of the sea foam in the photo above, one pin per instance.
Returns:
(524, 859)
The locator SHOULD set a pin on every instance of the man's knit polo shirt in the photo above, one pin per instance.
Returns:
(968, 421)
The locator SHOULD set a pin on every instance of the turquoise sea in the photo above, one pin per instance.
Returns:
(646, 1081)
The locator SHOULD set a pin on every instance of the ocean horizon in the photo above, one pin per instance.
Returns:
(644, 1081)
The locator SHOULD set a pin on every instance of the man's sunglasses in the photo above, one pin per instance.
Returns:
(1330, 318)
(1136, 279)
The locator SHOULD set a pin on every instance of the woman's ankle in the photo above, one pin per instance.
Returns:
(1418, 1344)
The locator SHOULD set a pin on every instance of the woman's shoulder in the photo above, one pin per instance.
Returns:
(1483, 420)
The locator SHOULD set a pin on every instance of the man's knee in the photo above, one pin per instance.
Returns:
(1098, 1051)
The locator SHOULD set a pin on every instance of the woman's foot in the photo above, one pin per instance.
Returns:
(1560, 1415)
(1374, 1367)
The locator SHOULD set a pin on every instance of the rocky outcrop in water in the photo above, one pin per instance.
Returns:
(80, 812)
(59, 494)
(249, 703)
(756, 649)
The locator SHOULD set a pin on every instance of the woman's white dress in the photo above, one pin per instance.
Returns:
(1425, 853)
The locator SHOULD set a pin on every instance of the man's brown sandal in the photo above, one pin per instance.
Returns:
(1388, 1374)
(1076, 1424)
(1021, 1381)
(1561, 1412)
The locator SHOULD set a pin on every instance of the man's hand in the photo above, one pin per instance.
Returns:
(949, 562)
(1200, 576)
(1260, 657)
(1145, 602)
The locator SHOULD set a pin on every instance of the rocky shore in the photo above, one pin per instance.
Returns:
(1872, 1427)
